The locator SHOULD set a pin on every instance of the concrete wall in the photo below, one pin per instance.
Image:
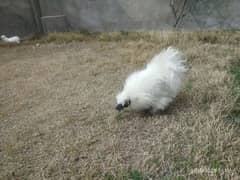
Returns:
(112, 15)
(212, 14)
(115, 15)
(16, 17)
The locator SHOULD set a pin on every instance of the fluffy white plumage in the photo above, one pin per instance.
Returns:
(14, 39)
(154, 87)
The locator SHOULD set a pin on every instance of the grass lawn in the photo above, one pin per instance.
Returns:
(57, 116)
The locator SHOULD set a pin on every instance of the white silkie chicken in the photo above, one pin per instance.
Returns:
(154, 87)
(14, 39)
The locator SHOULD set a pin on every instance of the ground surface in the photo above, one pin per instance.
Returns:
(57, 117)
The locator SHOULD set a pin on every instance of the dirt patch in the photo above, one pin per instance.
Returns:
(57, 117)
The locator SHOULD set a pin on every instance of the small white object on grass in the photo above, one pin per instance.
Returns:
(156, 86)
(14, 39)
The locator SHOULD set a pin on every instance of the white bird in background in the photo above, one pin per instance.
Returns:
(14, 39)
(154, 87)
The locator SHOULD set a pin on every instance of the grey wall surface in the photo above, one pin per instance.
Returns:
(212, 14)
(16, 17)
(114, 15)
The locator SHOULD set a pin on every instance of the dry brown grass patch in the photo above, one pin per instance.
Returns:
(57, 116)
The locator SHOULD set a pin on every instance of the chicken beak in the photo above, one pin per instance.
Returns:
(119, 107)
